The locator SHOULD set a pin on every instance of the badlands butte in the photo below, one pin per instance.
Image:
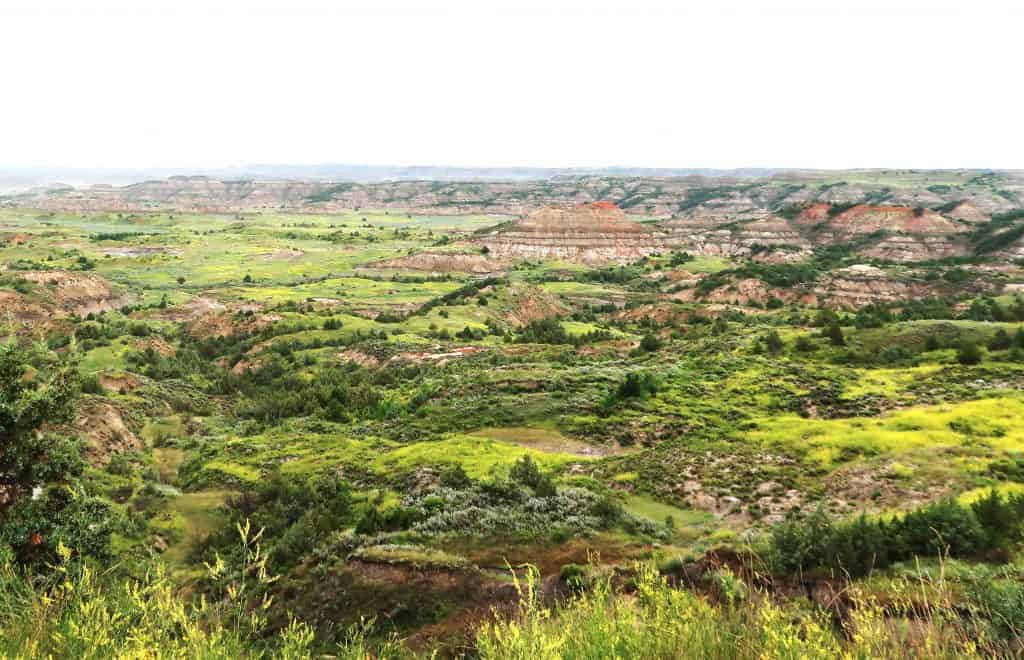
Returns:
(758, 414)
(886, 221)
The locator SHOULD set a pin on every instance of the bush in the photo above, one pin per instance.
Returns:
(968, 353)
(526, 472)
(859, 546)
(804, 344)
(1000, 341)
(650, 343)
(835, 335)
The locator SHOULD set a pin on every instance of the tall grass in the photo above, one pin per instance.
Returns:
(661, 622)
(79, 612)
(83, 614)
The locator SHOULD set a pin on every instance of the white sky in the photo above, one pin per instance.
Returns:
(139, 83)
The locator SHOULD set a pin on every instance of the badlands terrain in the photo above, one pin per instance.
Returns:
(403, 417)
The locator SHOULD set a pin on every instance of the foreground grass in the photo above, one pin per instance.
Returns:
(662, 622)
(85, 616)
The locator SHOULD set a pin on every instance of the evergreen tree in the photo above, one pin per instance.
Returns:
(835, 335)
(968, 353)
(1001, 341)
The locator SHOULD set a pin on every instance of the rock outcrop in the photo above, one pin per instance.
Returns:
(894, 233)
(846, 288)
(663, 197)
(597, 233)
(441, 262)
(760, 236)
(77, 293)
(859, 285)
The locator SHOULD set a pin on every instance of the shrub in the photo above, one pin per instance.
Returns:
(835, 335)
(863, 544)
(526, 472)
(1000, 341)
(804, 344)
(968, 353)
(650, 343)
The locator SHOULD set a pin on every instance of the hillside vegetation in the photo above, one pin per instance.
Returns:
(754, 425)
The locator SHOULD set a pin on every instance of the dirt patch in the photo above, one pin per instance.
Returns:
(879, 485)
(588, 233)
(15, 308)
(78, 293)
(532, 304)
(122, 383)
(14, 239)
(282, 254)
(437, 356)
(244, 365)
(157, 345)
(663, 314)
(107, 430)
(360, 358)
(441, 262)
(739, 292)
(229, 323)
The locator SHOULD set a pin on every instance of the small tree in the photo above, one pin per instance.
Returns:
(804, 344)
(527, 472)
(968, 353)
(650, 343)
(181, 280)
(1001, 341)
(773, 342)
(835, 335)
(41, 503)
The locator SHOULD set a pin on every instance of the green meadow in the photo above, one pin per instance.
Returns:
(412, 441)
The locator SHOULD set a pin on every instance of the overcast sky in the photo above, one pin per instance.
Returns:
(823, 83)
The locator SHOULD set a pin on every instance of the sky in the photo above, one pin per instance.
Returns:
(641, 83)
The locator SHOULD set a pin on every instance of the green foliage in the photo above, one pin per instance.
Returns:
(637, 385)
(1000, 341)
(835, 335)
(44, 504)
(551, 331)
(650, 343)
(968, 353)
(804, 344)
(664, 623)
(293, 512)
(1002, 230)
(527, 472)
(945, 528)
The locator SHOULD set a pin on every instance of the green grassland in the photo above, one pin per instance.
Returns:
(265, 351)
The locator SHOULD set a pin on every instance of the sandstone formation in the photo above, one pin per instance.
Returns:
(648, 196)
(846, 288)
(441, 262)
(760, 236)
(893, 233)
(859, 285)
(597, 233)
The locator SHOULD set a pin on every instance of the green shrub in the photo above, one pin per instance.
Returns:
(968, 353)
